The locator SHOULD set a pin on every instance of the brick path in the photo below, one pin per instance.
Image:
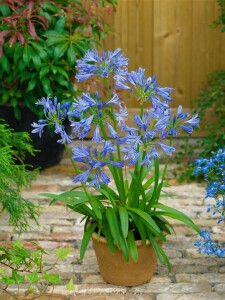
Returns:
(193, 276)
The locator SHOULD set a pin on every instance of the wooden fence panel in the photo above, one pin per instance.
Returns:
(172, 39)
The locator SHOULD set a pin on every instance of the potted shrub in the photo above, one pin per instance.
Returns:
(39, 44)
(120, 183)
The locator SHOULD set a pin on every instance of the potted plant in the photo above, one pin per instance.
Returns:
(39, 44)
(118, 182)
(213, 170)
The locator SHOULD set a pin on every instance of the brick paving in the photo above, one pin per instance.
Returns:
(193, 275)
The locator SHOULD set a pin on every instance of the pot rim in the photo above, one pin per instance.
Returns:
(103, 240)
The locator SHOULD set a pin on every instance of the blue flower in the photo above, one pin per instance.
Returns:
(167, 149)
(39, 127)
(94, 162)
(92, 110)
(55, 114)
(83, 177)
(102, 66)
(96, 136)
(144, 88)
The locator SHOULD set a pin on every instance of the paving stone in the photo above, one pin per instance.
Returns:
(86, 289)
(220, 288)
(207, 277)
(194, 296)
(114, 297)
(176, 288)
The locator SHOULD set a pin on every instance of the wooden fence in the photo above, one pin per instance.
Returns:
(172, 39)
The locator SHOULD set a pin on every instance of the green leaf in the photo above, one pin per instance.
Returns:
(71, 55)
(132, 246)
(4, 10)
(52, 278)
(5, 63)
(113, 225)
(60, 50)
(124, 220)
(17, 260)
(176, 214)
(18, 279)
(108, 235)
(31, 85)
(140, 227)
(70, 285)
(59, 26)
(39, 49)
(46, 85)
(86, 238)
(139, 186)
(158, 250)
(36, 60)
(54, 38)
(56, 69)
(33, 277)
(27, 55)
(62, 252)
(2, 270)
(45, 70)
(7, 280)
(148, 222)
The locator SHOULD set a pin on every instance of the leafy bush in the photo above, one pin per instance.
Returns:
(20, 265)
(220, 22)
(39, 44)
(14, 176)
(210, 107)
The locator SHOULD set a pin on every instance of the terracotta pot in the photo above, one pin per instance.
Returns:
(114, 268)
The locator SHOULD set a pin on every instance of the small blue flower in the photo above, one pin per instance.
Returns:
(96, 136)
(167, 149)
(83, 177)
(39, 127)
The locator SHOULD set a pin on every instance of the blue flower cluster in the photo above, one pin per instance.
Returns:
(56, 115)
(213, 169)
(207, 246)
(105, 116)
(95, 161)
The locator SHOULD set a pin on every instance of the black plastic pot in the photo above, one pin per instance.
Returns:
(50, 153)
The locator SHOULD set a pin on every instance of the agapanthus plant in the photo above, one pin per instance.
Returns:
(213, 169)
(113, 188)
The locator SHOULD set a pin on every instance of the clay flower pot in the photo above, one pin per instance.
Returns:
(114, 268)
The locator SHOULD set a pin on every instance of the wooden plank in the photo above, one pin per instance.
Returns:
(207, 43)
(172, 47)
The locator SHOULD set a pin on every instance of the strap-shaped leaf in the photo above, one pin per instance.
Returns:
(96, 209)
(176, 214)
(140, 226)
(86, 238)
(149, 222)
(108, 235)
(124, 220)
(113, 225)
(124, 247)
(132, 246)
(138, 186)
(158, 250)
